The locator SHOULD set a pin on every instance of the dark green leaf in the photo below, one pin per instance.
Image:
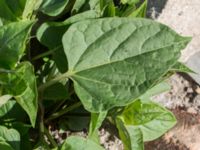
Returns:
(11, 10)
(11, 136)
(75, 143)
(50, 34)
(53, 7)
(112, 62)
(56, 92)
(13, 39)
(4, 145)
(146, 119)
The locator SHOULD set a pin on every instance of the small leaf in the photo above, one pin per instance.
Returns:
(4, 145)
(127, 62)
(180, 67)
(147, 119)
(95, 123)
(53, 7)
(141, 11)
(13, 39)
(130, 2)
(11, 136)
(75, 143)
(108, 8)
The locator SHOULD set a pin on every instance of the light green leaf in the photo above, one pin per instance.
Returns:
(4, 99)
(107, 8)
(155, 90)
(95, 123)
(147, 119)
(130, 2)
(112, 62)
(13, 39)
(141, 11)
(75, 143)
(11, 136)
(53, 7)
(50, 34)
(4, 145)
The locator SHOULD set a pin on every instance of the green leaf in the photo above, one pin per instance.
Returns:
(53, 7)
(56, 92)
(85, 5)
(141, 11)
(155, 90)
(23, 88)
(11, 136)
(4, 99)
(11, 10)
(28, 98)
(130, 2)
(146, 119)
(13, 39)
(4, 145)
(95, 123)
(180, 67)
(50, 34)
(112, 62)
(108, 8)
(75, 143)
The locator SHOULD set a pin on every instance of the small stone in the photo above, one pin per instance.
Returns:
(192, 110)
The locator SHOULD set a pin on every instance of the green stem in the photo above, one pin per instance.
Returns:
(42, 87)
(43, 54)
(63, 111)
(50, 138)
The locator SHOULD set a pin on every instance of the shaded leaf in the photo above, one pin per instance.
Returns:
(22, 87)
(11, 10)
(107, 8)
(11, 136)
(75, 143)
(4, 145)
(50, 34)
(143, 119)
(13, 39)
(112, 62)
(53, 7)
(56, 92)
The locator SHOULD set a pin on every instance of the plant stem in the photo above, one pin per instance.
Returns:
(53, 81)
(44, 54)
(63, 111)
(50, 137)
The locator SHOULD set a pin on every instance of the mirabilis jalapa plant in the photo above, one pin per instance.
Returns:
(68, 62)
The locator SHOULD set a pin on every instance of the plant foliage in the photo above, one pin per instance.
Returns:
(74, 64)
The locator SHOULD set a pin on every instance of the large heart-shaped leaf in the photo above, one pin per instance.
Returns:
(11, 136)
(77, 143)
(50, 34)
(143, 121)
(13, 39)
(113, 61)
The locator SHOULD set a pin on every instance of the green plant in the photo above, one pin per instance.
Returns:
(75, 61)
